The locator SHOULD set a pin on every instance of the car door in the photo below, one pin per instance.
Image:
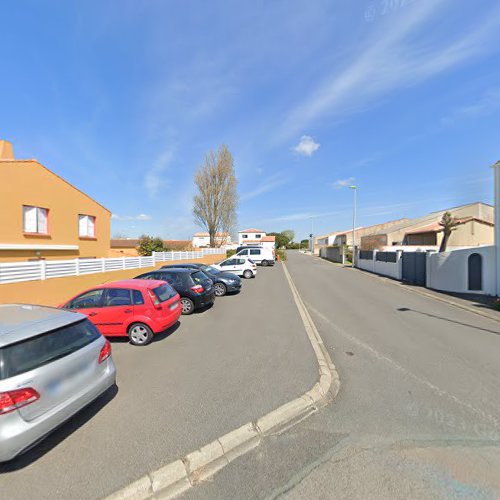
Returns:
(229, 265)
(116, 311)
(88, 303)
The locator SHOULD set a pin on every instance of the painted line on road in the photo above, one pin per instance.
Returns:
(179, 476)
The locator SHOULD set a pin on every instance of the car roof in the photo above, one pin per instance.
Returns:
(176, 269)
(134, 284)
(22, 321)
(180, 266)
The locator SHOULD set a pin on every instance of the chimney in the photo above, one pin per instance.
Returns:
(6, 151)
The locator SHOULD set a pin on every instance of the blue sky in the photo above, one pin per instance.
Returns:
(124, 98)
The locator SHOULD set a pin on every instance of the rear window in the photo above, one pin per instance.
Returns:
(43, 349)
(199, 277)
(164, 292)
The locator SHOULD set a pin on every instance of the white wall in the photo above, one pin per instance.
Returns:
(391, 269)
(201, 241)
(244, 237)
(448, 271)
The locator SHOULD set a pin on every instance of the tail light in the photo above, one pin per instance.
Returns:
(154, 299)
(105, 351)
(13, 400)
(197, 289)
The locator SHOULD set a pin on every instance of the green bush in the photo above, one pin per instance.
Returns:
(230, 253)
(281, 252)
(148, 245)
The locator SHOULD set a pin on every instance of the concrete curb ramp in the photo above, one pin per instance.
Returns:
(177, 477)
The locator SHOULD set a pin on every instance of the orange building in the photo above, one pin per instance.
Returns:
(44, 217)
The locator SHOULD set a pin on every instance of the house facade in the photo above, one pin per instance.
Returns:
(42, 216)
(476, 228)
(254, 236)
(202, 240)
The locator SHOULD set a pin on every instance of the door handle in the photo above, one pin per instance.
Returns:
(93, 314)
(127, 311)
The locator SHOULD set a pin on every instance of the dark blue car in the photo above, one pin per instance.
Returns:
(224, 282)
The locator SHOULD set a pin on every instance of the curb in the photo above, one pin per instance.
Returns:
(179, 476)
(420, 292)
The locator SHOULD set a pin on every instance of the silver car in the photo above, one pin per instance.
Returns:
(52, 364)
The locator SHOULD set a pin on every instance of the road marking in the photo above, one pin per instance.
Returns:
(394, 364)
(175, 478)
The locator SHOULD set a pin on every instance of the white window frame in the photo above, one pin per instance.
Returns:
(39, 224)
(86, 226)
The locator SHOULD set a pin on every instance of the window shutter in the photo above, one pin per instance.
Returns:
(91, 226)
(41, 220)
(29, 219)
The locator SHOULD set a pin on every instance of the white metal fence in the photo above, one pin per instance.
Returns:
(13, 272)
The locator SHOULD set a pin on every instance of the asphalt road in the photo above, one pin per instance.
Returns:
(418, 412)
(218, 370)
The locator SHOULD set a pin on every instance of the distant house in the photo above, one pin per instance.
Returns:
(42, 216)
(202, 240)
(255, 237)
(476, 228)
(127, 247)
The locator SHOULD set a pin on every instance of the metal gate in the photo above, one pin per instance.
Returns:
(475, 271)
(414, 267)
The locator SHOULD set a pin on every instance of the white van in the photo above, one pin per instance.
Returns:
(260, 255)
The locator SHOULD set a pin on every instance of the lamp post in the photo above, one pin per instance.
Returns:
(311, 244)
(354, 190)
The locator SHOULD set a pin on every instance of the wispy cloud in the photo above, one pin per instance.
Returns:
(393, 58)
(131, 217)
(341, 183)
(487, 105)
(272, 182)
(306, 146)
(155, 178)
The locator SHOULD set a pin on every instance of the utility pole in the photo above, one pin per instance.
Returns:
(354, 189)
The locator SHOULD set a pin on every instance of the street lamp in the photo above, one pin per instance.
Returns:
(354, 190)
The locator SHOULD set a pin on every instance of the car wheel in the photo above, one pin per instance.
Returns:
(220, 289)
(140, 334)
(187, 306)
(264, 263)
(247, 274)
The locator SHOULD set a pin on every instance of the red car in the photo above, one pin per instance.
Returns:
(137, 308)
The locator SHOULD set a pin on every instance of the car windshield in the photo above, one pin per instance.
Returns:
(164, 292)
(210, 269)
(37, 351)
(199, 277)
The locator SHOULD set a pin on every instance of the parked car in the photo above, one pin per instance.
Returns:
(260, 255)
(134, 308)
(241, 266)
(194, 287)
(52, 364)
(224, 282)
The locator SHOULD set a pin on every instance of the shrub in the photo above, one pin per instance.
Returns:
(230, 253)
(148, 245)
(281, 252)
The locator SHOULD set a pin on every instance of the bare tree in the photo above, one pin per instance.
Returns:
(448, 223)
(214, 206)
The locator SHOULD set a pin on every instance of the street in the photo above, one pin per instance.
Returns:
(418, 413)
(218, 370)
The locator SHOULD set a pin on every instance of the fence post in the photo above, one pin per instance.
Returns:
(399, 260)
(103, 264)
(154, 258)
(77, 267)
(123, 262)
(374, 260)
(43, 269)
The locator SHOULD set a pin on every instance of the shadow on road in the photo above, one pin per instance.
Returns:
(407, 309)
(59, 434)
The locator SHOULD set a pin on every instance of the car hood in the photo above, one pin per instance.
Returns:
(228, 276)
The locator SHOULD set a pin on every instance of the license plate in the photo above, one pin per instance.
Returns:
(57, 386)
(173, 306)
